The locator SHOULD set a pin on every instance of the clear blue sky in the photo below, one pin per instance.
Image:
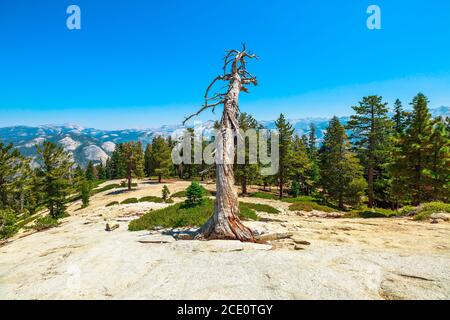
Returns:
(146, 63)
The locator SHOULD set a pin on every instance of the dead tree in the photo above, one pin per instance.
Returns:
(225, 223)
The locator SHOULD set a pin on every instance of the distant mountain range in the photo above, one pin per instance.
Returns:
(88, 144)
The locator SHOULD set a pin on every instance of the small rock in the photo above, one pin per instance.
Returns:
(440, 216)
(297, 247)
(434, 221)
(111, 227)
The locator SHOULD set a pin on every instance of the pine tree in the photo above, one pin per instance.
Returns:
(148, 160)
(415, 151)
(117, 169)
(247, 173)
(10, 162)
(439, 170)
(54, 177)
(341, 173)
(90, 172)
(400, 117)
(285, 132)
(313, 171)
(85, 192)
(161, 158)
(300, 165)
(165, 193)
(133, 159)
(370, 128)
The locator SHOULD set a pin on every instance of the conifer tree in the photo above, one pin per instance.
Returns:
(416, 150)
(10, 162)
(400, 117)
(133, 159)
(117, 169)
(439, 170)
(370, 128)
(285, 132)
(90, 172)
(247, 173)
(300, 165)
(148, 160)
(161, 158)
(313, 171)
(54, 177)
(341, 173)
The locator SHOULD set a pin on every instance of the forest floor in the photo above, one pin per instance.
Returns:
(325, 258)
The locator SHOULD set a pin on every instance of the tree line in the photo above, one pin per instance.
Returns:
(386, 161)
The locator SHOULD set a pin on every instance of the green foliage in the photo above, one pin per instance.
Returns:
(113, 203)
(258, 207)
(370, 129)
(426, 210)
(182, 194)
(285, 132)
(411, 164)
(130, 201)
(309, 206)
(161, 158)
(194, 194)
(246, 171)
(151, 199)
(124, 184)
(180, 215)
(54, 177)
(8, 221)
(107, 188)
(85, 192)
(295, 189)
(165, 193)
(90, 172)
(341, 173)
(45, 223)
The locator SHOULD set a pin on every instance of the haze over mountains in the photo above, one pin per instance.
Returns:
(88, 144)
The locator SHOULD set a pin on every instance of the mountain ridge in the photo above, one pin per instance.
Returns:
(90, 144)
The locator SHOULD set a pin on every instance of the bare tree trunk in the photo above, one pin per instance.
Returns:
(225, 223)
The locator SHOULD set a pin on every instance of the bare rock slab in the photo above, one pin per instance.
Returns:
(156, 239)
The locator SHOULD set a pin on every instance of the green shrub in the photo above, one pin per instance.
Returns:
(179, 194)
(182, 194)
(44, 223)
(426, 210)
(124, 184)
(264, 195)
(165, 193)
(180, 215)
(309, 206)
(130, 201)
(114, 203)
(194, 194)
(151, 199)
(106, 188)
(8, 221)
(259, 207)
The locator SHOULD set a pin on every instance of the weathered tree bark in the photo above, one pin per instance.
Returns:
(225, 223)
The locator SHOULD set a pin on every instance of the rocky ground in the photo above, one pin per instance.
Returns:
(323, 258)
